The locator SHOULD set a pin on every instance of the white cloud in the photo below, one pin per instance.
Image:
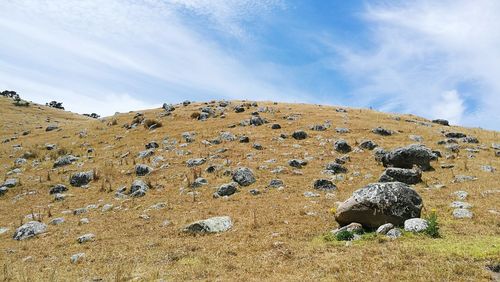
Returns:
(420, 50)
(95, 49)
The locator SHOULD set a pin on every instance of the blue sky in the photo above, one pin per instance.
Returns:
(437, 59)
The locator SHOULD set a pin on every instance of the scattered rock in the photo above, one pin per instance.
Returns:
(407, 157)
(64, 160)
(463, 178)
(488, 168)
(195, 162)
(51, 127)
(441, 122)
(198, 182)
(299, 135)
(408, 176)
(243, 176)
(394, 233)
(324, 185)
(29, 230)
(342, 146)
(297, 163)
(86, 238)
(210, 225)
(146, 153)
(80, 179)
(368, 145)
(77, 257)
(461, 195)
(57, 189)
(310, 194)
(416, 225)
(454, 135)
(384, 228)
(352, 227)
(335, 168)
(226, 190)
(142, 169)
(276, 183)
(138, 188)
(382, 131)
(380, 203)
(462, 213)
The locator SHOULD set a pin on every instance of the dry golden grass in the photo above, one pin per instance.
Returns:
(275, 236)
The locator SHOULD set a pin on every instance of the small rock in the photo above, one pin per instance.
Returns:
(460, 205)
(368, 145)
(394, 233)
(57, 221)
(310, 194)
(57, 189)
(384, 228)
(226, 190)
(243, 176)
(80, 179)
(29, 230)
(86, 238)
(142, 169)
(382, 131)
(210, 225)
(416, 225)
(342, 146)
(462, 213)
(353, 227)
(297, 163)
(324, 185)
(77, 257)
(299, 135)
(195, 162)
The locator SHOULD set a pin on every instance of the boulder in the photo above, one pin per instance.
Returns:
(382, 131)
(80, 179)
(341, 146)
(368, 145)
(29, 230)
(335, 168)
(65, 160)
(297, 163)
(384, 228)
(142, 169)
(226, 190)
(380, 203)
(138, 188)
(324, 185)
(210, 225)
(243, 176)
(407, 157)
(195, 162)
(57, 189)
(408, 176)
(416, 225)
(256, 121)
(441, 122)
(299, 135)
(394, 233)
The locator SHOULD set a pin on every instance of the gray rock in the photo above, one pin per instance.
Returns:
(210, 225)
(394, 233)
(226, 190)
(142, 169)
(379, 154)
(324, 185)
(77, 257)
(469, 139)
(342, 130)
(244, 139)
(380, 203)
(86, 238)
(107, 207)
(65, 160)
(342, 146)
(275, 126)
(407, 157)
(138, 188)
(310, 194)
(297, 163)
(57, 221)
(454, 135)
(353, 227)
(335, 168)
(416, 138)
(80, 211)
(152, 145)
(80, 179)
(384, 228)
(462, 213)
(57, 189)
(20, 161)
(51, 127)
(441, 122)
(168, 107)
(463, 178)
(416, 225)
(461, 195)
(146, 153)
(198, 182)
(408, 176)
(3, 190)
(382, 131)
(256, 121)
(318, 127)
(29, 230)
(10, 183)
(460, 205)
(257, 146)
(488, 168)
(3, 230)
(227, 136)
(195, 162)
(368, 145)
(276, 183)
(243, 176)
(299, 135)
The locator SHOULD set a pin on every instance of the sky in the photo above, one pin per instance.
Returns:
(435, 59)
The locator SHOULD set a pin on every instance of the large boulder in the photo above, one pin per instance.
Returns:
(342, 146)
(408, 176)
(29, 230)
(380, 203)
(243, 176)
(406, 157)
(210, 225)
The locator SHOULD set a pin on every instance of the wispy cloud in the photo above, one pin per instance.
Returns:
(432, 58)
(94, 49)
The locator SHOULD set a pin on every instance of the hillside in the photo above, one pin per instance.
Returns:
(279, 233)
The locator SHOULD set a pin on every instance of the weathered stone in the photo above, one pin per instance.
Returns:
(29, 230)
(463, 178)
(64, 160)
(243, 176)
(57, 189)
(195, 162)
(227, 136)
(462, 213)
(297, 163)
(334, 168)
(198, 182)
(353, 227)
(368, 145)
(80, 179)
(152, 145)
(382, 131)
(210, 225)
(324, 185)
(380, 203)
(57, 221)
(342, 146)
(226, 190)
(408, 176)
(384, 228)
(86, 238)
(441, 122)
(138, 188)
(142, 169)
(394, 233)
(146, 153)
(299, 135)
(416, 225)
(407, 157)
(276, 183)
(77, 257)
(454, 135)
(275, 126)
(256, 121)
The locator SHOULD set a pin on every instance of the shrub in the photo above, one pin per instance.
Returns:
(344, 236)
(433, 228)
